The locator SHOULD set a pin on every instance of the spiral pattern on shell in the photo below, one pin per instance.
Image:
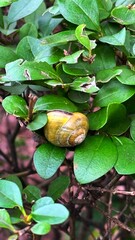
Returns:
(66, 129)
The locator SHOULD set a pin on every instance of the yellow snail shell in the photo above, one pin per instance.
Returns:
(66, 129)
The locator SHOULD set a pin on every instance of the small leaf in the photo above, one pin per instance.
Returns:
(38, 122)
(73, 58)
(124, 15)
(126, 152)
(58, 186)
(107, 74)
(127, 76)
(41, 228)
(15, 179)
(81, 13)
(54, 102)
(22, 8)
(52, 213)
(117, 39)
(4, 3)
(10, 195)
(94, 158)
(16, 106)
(20, 70)
(47, 159)
(113, 92)
(32, 193)
(84, 39)
(5, 221)
(84, 84)
(42, 202)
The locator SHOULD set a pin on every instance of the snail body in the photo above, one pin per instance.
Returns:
(66, 129)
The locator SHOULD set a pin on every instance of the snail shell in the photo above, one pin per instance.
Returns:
(66, 129)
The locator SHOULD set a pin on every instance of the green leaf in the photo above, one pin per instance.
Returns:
(22, 8)
(52, 213)
(84, 84)
(54, 102)
(127, 76)
(13, 237)
(123, 15)
(124, 2)
(47, 159)
(118, 121)
(4, 3)
(58, 186)
(41, 203)
(112, 119)
(38, 51)
(39, 120)
(126, 152)
(73, 58)
(117, 39)
(84, 39)
(113, 92)
(132, 129)
(104, 8)
(15, 179)
(28, 29)
(10, 195)
(16, 106)
(59, 38)
(107, 74)
(94, 158)
(87, 11)
(32, 193)
(5, 221)
(20, 70)
(41, 228)
(6, 55)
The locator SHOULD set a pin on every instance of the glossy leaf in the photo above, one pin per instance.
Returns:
(5, 221)
(28, 29)
(127, 76)
(20, 70)
(126, 151)
(113, 92)
(10, 195)
(16, 106)
(58, 186)
(41, 228)
(112, 119)
(117, 39)
(42, 202)
(32, 193)
(16, 180)
(105, 8)
(52, 102)
(107, 74)
(84, 39)
(22, 8)
(54, 213)
(88, 13)
(37, 122)
(47, 159)
(4, 3)
(124, 15)
(73, 58)
(84, 84)
(94, 158)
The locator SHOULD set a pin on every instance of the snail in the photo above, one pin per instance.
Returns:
(66, 129)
